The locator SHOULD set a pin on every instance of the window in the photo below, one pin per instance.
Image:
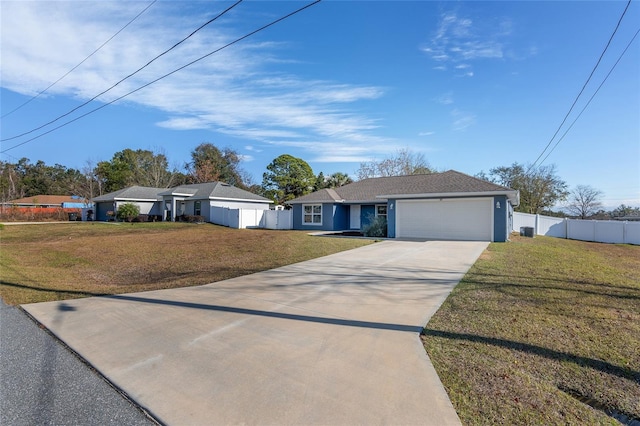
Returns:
(381, 211)
(197, 208)
(312, 214)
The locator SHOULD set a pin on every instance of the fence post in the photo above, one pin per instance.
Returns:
(536, 225)
(624, 232)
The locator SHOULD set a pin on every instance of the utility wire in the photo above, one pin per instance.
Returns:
(127, 77)
(264, 27)
(594, 94)
(582, 90)
(82, 62)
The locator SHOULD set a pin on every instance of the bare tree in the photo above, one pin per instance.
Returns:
(89, 186)
(584, 201)
(404, 162)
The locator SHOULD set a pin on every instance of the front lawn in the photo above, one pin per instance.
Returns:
(62, 261)
(540, 331)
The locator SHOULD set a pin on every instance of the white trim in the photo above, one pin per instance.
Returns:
(237, 199)
(131, 199)
(312, 223)
(400, 203)
(513, 196)
(180, 194)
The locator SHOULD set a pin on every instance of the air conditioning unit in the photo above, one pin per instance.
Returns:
(527, 231)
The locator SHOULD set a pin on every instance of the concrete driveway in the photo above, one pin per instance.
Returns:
(329, 341)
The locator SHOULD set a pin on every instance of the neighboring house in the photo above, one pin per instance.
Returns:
(63, 201)
(449, 205)
(168, 204)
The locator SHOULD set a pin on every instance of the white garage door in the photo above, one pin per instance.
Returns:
(459, 219)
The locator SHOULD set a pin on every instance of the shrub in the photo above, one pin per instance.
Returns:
(128, 212)
(377, 227)
(37, 214)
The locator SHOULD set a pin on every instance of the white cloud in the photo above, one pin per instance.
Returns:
(189, 123)
(426, 133)
(252, 148)
(460, 40)
(462, 120)
(239, 91)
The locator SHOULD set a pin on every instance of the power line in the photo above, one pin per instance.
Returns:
(592, 96)
(582, 90)
(81, 62)
(125, 78)
(264, 27)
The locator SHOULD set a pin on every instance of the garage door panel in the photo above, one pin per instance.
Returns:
(467, 219)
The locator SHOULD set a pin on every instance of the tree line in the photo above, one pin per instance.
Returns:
(285, 178)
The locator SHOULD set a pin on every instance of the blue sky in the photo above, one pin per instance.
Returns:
(471, 85)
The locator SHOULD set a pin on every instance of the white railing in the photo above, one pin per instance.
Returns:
(603, 231)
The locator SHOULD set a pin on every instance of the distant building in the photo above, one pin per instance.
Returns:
(63, 201)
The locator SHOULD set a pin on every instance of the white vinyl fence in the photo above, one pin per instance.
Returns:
(603, 231)
(277, 219)
(252, 218)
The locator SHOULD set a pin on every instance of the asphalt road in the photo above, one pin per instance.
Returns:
(43, 383)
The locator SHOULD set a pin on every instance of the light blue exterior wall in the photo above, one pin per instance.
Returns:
(391, 219)
(501, 218)
(328, 213)
(335, 217)
(76, 205)
(340, 217)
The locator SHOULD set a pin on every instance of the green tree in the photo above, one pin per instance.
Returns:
(540, 187)
(286, 178)
(625, 211)
(338, 179)
(321, 182)
(128, 212)
(140, 167)
(210, 164)
(25, 179)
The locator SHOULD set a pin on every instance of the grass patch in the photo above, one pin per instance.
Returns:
(62, 261)
(537, 322)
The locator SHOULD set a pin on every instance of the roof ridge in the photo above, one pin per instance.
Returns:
(332, 192)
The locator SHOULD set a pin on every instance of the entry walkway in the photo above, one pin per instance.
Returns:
(329, 341)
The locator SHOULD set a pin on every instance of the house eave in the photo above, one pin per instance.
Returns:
(512, 196)
(134, 199)
(241, 199)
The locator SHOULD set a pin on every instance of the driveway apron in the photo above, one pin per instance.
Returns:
(329, 341)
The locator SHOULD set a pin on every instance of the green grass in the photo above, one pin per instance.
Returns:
(536, 322)
(61, 261)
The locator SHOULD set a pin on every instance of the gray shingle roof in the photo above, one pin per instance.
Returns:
(371, 189)
(131, 193)
(204, 191)
(214, 190)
